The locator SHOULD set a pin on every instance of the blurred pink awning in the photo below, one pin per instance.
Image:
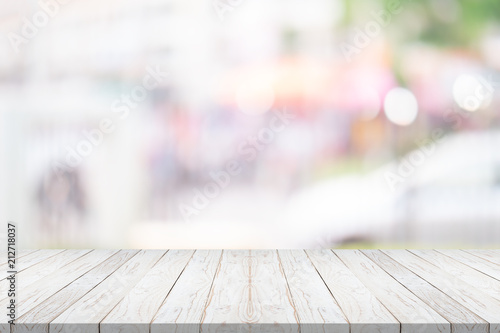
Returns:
(294, 82)
(308, 85)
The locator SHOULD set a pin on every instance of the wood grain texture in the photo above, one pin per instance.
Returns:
(37, 319)
(85, 315)
(462, 319)
(482, 304)
(36, 273)
(316, 308)
(479, 280)
(155, 291)
(19, 254)
(484, 266)
(413, 314)
(183, 309)
(490, 255)
(37, 292)
(363, 310)
(26, 259)
(134, 313)
(29, 260)
(48, 266)
(250, 293)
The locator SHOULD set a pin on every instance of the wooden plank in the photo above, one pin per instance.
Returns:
(28, 260)
(34, 273)
(19, 254)
(42, 269)
(135, 312)
(316, 308)
(62, 274)
(38, 318)
(482, 304)
(490, 255)
(39, 291)
(85, 315)
(250, 293)
(479, 280)
(480, 264)
(183, 309)
(256, 291)
(49, 266)
(461, 318)
(413, 314)
(363, 310)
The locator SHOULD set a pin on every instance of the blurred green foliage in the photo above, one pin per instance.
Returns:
(473, 17)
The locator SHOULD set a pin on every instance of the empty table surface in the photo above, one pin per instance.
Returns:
(254, 291)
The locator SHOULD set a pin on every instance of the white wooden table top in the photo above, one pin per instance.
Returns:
(255, 291)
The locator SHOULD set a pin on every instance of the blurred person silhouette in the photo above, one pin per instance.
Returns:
(62, 204)
(172, 158)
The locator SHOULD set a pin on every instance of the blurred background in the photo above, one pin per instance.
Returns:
(250, 123)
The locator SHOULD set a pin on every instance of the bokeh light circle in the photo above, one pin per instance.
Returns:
(470, 93)
(400, 106)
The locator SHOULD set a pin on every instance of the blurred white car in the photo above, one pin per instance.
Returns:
(445, 192)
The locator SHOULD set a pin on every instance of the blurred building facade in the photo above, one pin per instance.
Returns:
(223, 61)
